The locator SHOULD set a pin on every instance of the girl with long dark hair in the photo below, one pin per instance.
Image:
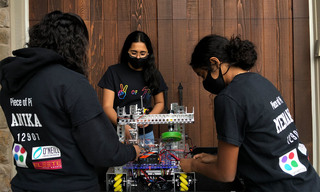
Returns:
(135, 77)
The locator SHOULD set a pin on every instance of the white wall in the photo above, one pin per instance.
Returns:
(314, 22)
(19, 23)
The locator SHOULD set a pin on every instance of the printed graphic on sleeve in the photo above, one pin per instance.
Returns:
(20, 155)
(302, 149)
(289, 163)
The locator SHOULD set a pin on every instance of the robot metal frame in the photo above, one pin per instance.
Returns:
(158, 166)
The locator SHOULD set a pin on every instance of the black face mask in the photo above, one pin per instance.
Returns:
(137, 63)
(212, 85)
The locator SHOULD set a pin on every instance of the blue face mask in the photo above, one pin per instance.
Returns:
(212, 85)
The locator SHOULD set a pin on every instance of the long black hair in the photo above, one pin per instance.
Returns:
(236, 52)
(150, 72)
(65, 33)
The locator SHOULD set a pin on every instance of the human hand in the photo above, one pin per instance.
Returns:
(205, 157)
(138, 150)
(127, 132)
(143, 126)
(186, 164)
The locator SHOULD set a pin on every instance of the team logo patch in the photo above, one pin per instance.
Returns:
(45, 152)
(20, 155)
(290, 163)
(48, 165)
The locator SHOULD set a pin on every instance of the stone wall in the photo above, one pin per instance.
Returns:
(6, 161)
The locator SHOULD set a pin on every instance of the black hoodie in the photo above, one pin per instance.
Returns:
(59, 128)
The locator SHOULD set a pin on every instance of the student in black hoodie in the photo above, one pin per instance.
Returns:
(59, 128)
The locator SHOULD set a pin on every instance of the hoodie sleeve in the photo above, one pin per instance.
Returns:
(93, 132)
(99, 143)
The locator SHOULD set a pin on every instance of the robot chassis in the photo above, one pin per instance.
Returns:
(157, 168)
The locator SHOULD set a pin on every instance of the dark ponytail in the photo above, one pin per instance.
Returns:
(241, 53)
(234, 51)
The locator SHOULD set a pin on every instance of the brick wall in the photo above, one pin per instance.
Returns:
(6, 161)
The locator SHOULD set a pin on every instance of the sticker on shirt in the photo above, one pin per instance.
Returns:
(20, 155)
(45, 152)
(48, 165)
(290, 163)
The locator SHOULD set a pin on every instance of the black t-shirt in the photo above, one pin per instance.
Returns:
(129, 87)
(251, 113)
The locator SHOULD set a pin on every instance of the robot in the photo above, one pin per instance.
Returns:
(157, 168)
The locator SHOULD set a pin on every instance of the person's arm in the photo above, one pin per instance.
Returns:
(99, 143)
(206, 157)
(222, 168)
(158, 104)
(107, 104)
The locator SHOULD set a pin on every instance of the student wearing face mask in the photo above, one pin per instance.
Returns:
(124, 84)
(257, 138)
(134, 77)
